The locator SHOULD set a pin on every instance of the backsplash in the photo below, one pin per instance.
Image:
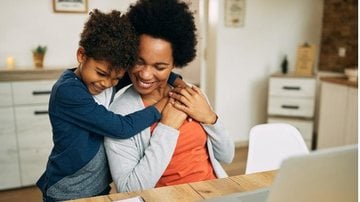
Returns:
(339, 35)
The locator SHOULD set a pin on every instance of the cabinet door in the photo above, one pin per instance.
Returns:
(5, 94)
(9, 164)
(35, 141)
(332, 115)
(351, 125)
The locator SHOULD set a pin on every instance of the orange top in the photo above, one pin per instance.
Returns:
(190, 161)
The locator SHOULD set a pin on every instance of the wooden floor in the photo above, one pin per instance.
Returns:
(33, 194)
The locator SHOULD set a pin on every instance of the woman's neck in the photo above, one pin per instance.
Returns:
(156, 95)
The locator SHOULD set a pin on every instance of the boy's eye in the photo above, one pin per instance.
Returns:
(101, 74)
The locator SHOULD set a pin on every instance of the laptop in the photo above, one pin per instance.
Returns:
(322, 176)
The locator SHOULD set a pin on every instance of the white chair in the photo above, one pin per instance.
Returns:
(270, 144)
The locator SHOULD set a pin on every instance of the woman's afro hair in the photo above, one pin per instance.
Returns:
(111, 38)
(170, 20)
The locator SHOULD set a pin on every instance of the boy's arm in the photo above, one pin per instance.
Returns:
(75, 105)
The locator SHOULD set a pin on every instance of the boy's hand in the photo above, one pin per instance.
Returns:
(193, 103)
(172, 117)
(161, 104)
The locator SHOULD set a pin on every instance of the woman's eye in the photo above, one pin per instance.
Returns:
(160, 68)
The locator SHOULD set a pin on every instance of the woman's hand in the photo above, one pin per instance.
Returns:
(171, 116)
(193, 102)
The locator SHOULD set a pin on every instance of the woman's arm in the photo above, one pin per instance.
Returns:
(139, 162)
(222, 144)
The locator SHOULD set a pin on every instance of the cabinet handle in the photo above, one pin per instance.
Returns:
(41, 112)
(289, 107)
(45, 92)
(291, 88)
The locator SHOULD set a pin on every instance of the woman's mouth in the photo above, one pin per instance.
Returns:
(145, 84)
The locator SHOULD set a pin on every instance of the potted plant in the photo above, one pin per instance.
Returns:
(38, 56)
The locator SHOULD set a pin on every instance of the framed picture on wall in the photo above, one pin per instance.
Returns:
(234, 13)
(70, 6)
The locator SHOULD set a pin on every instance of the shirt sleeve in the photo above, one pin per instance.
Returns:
(172, 78)
(222, 144)
(74, 104)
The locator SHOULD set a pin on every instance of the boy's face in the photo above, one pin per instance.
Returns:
(154, 65)
(96, 74)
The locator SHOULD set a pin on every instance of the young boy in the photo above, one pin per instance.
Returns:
(77, 166)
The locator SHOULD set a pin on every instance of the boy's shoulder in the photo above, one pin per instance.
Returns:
(69, 85)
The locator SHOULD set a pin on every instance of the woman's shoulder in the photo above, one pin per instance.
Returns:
(127, 102)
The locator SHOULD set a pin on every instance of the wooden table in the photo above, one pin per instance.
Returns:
(194, 191)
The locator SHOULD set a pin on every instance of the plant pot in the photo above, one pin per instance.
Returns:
(38, 60)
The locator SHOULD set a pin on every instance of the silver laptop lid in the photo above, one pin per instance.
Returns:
(323, 176)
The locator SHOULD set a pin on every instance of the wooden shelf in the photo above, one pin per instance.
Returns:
(30, 74)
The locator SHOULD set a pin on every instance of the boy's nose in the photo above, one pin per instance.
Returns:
(107, 83)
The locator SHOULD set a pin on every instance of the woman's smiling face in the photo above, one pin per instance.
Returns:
(154, 65)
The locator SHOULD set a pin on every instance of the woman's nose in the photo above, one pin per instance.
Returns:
(146, 72)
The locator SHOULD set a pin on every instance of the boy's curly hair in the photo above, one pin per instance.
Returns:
(170, 20)
(111, 38)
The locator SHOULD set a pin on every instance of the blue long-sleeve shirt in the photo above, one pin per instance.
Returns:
(79, 125)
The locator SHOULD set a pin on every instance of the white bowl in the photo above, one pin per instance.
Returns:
(351, 73)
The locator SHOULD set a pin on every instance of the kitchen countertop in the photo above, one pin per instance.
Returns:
(340, 80)
(30, 74)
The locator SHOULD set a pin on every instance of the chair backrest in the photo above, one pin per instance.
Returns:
(270, 144)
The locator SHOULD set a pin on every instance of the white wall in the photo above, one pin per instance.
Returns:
(246, 56)
(27, 23)
(240, 59)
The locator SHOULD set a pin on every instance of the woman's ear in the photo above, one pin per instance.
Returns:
(80, 55)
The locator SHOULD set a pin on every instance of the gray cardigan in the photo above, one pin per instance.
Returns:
(138, 163)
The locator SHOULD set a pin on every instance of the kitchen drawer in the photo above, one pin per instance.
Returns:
(5, 94)
(292, 87)
(32, 92)
(289, 106)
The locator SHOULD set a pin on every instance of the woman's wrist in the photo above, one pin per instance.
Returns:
(211, 119)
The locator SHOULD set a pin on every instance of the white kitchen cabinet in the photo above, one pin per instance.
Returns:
(25, 135)
(338, 114)
(292, 100)
(9, 159)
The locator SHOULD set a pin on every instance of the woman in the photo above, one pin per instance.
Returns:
(175, 150)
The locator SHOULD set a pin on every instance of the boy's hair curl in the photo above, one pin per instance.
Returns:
(170, 20)
(111, 38)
